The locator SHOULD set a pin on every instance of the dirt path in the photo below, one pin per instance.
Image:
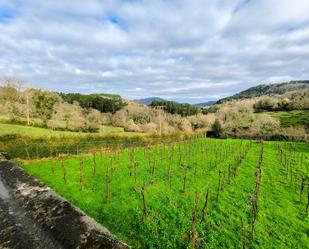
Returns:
(32, 216)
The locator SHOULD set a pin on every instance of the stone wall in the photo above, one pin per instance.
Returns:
(65, 223)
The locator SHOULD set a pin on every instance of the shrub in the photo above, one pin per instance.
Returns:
(265, 104)
(119, 119)
(198, 121)
(186, 125)
(149, 128)
(217, 128)
(131, 126)
(93, 120)
(295, 133)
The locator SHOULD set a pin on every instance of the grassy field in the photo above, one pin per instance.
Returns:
(202, 193)
(292, 118)
(6, 129)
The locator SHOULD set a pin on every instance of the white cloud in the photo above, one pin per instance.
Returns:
(187, 50)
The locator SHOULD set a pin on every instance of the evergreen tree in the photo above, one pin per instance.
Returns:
(217, 128)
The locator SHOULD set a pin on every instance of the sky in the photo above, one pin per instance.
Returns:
(182, 50)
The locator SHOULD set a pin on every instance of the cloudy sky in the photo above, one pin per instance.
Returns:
(184, 50)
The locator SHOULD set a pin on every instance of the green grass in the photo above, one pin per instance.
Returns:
(111, 129)
(21, 128)
(22, 120)
(292, 118)
(9, 129)
(114, 199)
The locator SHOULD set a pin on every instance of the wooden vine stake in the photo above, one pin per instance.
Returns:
(135, 176)
(219, 185)
(194, 234)
(255, 197)
(81, 162)
(295, 182)
(243, 234)
(223, 180)
(153, 168)
(52, 169)
(143, 193)
(131, 160)
(63, 171)
(185, 168)
(185, 183)
(94, 164)
(106, 194)
(170, 173)
(205, 207)
(302, 188)
(195, 170)
(229, 174)
(144, 215)
(307, 200)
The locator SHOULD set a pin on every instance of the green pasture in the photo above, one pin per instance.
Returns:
(292, 118)
(23, 130)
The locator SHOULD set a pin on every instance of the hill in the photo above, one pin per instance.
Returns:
(148, 101)
(208, 103)
(268, 89)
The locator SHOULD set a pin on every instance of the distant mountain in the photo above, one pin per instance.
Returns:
(268, 89)
(208, 103)
(148, 101)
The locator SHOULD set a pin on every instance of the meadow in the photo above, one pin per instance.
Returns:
(19, 129)
(198, 193)
(291, 118)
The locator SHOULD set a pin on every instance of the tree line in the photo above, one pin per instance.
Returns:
(103, 103)
(176, 108)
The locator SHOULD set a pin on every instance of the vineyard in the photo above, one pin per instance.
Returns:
(198, 193)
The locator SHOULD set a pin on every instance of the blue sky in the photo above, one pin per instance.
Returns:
(183, 50)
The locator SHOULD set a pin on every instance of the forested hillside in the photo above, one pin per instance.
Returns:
(268, 89)
(100, 102)
(176, 108)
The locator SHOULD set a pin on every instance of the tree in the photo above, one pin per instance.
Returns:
(119, 119)
(27, 95)
(72, 117)
(10, 97)
(44, 103)
(217, 128)
(93, 120)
